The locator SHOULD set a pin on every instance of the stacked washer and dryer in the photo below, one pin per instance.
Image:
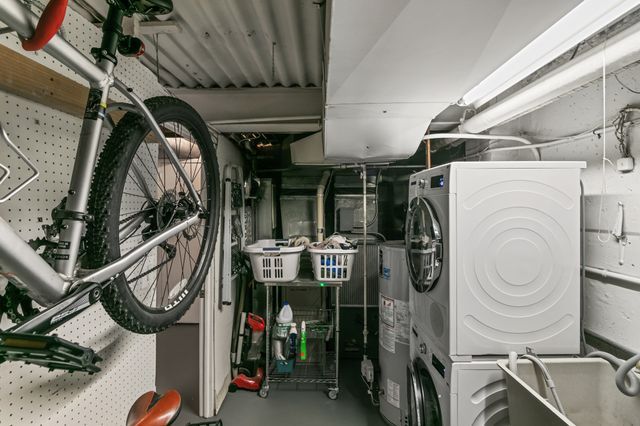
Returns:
(493, 252)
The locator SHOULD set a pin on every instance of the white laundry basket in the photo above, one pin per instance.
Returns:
(273, 261)
(332, 265)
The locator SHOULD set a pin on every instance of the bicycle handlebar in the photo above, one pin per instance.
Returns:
(48, 25)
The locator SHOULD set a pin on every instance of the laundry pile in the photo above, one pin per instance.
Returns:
(335, 242)
(298, 241)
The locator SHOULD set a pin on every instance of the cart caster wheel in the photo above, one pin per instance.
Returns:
(333, 394)
(263, 392)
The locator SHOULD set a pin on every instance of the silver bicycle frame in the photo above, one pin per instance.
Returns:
(18, 261)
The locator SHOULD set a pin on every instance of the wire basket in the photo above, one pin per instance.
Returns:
(273, 261)
(332, 265)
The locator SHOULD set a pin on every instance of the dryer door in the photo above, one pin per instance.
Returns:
(424, 404)
(423, 245)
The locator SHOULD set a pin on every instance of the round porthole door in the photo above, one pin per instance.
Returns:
(416, 417)
(424, 403)
(423, 245)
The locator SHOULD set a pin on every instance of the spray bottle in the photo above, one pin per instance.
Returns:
(303, 341)
(293, 337)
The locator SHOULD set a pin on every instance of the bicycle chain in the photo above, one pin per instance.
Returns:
(15, 299)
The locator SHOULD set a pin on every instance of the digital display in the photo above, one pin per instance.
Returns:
(437, 181)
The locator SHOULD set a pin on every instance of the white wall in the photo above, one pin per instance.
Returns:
(612, 308)
(30, 394)
(217, 324)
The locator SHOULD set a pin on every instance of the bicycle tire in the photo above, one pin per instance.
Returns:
(103, 232)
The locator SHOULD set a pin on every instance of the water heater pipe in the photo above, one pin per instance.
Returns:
(615, 53)
(324, 180)
(365, 220)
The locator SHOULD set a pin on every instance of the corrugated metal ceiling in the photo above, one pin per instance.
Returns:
(239, 43)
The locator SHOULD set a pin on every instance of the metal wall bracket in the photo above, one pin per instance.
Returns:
(5, 138)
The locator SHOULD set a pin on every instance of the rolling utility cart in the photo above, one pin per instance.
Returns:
(320, 367)
(330, 269)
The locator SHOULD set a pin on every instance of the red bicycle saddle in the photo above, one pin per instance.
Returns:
(48, 25)
(153, 409)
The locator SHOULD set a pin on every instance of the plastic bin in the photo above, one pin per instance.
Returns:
(272, 261)
(285, 366)
(332, 264)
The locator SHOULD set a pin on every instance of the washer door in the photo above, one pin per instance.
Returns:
(423, 245)
(424, 404)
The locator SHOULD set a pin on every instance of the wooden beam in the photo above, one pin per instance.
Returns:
(23, 77)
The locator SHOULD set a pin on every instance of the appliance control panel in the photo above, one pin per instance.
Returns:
(435, 180)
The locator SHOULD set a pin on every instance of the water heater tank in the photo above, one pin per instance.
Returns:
(394, 332)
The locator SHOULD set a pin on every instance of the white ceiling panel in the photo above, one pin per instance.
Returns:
(415, 57)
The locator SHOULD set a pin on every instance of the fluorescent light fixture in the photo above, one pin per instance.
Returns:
(584, 20)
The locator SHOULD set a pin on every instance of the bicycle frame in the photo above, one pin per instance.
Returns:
(18, 261)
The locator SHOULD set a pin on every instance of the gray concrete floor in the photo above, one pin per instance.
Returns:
(177, 362)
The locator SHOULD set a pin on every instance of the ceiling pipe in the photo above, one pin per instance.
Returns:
(267, 120)
(320, 204)
(474, 136)
(606, 274)
(617, 52)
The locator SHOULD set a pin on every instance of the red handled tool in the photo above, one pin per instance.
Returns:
(242, 381)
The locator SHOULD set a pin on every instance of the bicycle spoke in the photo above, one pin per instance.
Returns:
(157, 211)
(155, 162)
(160, 187)
(134, 195)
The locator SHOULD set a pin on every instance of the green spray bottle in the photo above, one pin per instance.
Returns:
(303, 341)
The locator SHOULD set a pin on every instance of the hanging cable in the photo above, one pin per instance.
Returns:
(605, 160)
(625, 86)
(374, 395)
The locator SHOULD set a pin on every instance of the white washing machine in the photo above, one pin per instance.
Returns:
(493, 250)
(446, 393)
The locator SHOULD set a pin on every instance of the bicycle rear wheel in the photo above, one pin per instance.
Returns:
(137, 193)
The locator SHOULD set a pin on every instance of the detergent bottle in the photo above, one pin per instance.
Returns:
(286, 314)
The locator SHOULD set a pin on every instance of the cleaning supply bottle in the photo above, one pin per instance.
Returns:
(286, 314)
(293, 337)
(303, 341)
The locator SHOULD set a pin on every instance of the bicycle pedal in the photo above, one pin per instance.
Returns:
(52, 352)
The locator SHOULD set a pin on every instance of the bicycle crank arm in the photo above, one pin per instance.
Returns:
(58, 314)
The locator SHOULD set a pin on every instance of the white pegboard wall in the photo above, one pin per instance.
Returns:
(30, 394)
(84, 35)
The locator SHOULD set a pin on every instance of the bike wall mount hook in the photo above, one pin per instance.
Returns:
(5, 138)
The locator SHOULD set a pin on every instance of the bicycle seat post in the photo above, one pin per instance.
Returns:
(111, 33)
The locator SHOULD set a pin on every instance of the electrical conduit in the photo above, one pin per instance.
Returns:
(365, 220)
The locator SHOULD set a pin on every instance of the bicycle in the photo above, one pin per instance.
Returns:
(138, 226)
